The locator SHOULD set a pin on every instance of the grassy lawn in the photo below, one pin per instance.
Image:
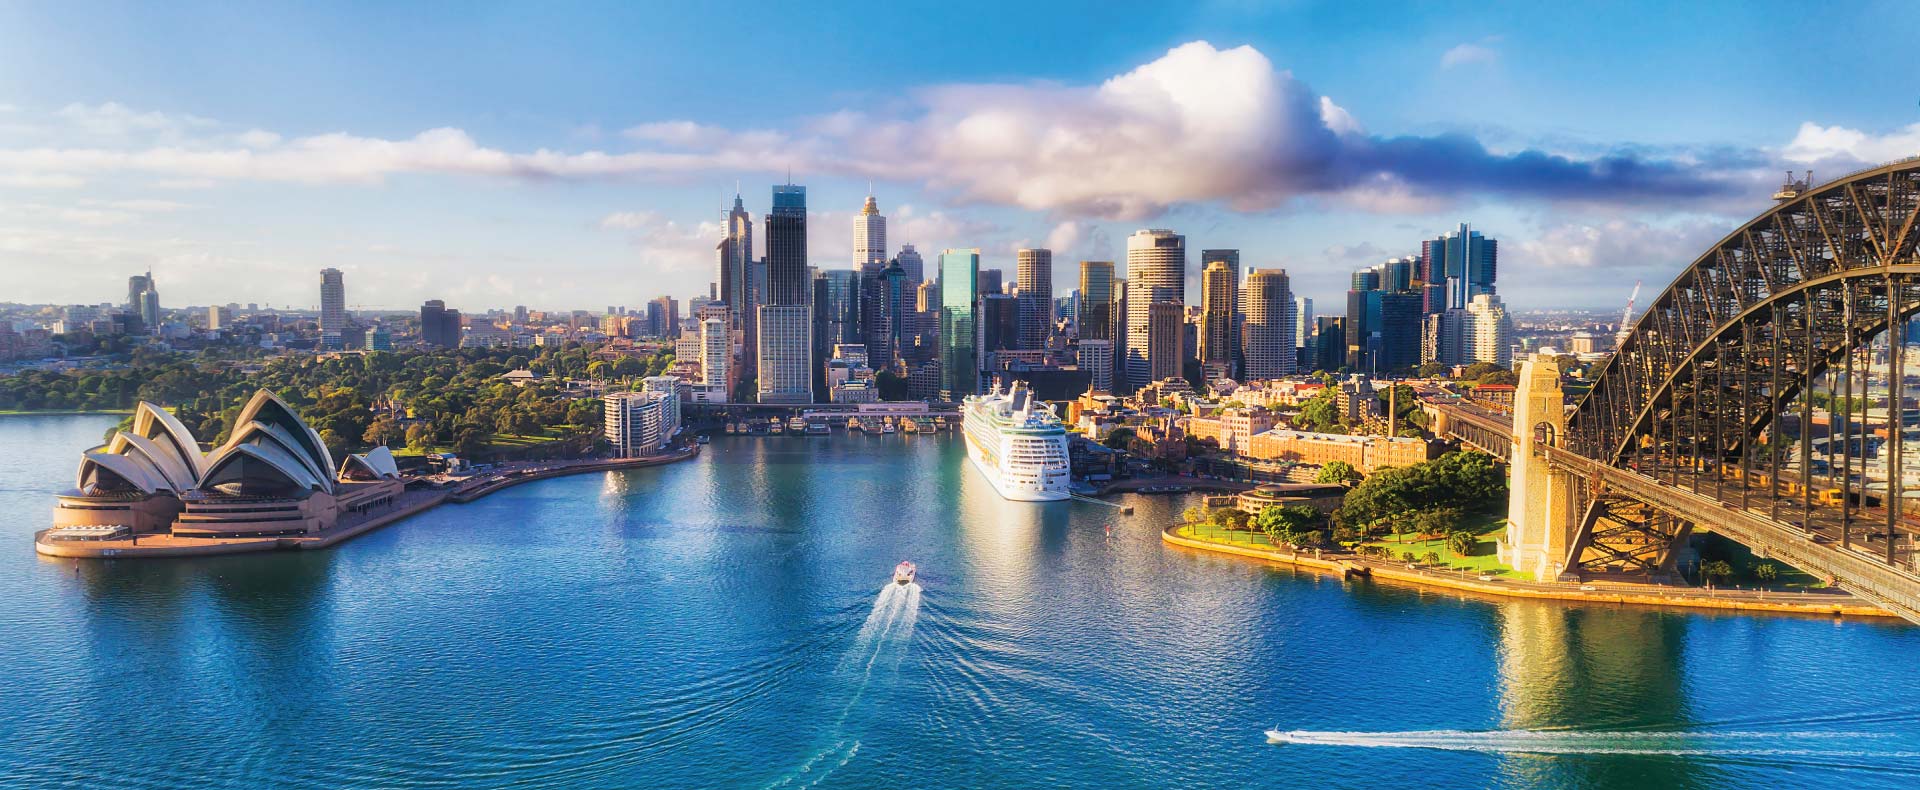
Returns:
(1232, 537)
(1483, 560)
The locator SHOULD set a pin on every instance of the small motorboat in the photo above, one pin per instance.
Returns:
(1279, 736)
(903, 573)
(886, 428)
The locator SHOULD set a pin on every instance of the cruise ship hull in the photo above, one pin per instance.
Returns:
(1017, 493)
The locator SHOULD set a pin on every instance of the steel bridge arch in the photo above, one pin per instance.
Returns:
(1749, 325)
(1845, 236)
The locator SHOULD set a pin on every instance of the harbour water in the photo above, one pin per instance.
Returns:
(731, 622)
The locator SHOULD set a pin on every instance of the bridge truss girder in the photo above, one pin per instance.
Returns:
(1693, 395)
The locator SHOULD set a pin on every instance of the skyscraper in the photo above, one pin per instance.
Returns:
(1033, 277)
(785, 354)
(1465, 261)
(736, 257)
(910, 262)
(143, 300)
(1270, 351)
(439, 327)
(842, 320)
(959, 287)
(869, 239)
(136, 286)
(1156, 274)
(1219, 344)
(1095, 321)
(333, 302)
(1491, 333)
(1238, 320)
(716, 352)
(1096, 358)
(989, 281)
(1302, 332)
(663, 317)
(787, 281)
(1166, 323)
(784, 329)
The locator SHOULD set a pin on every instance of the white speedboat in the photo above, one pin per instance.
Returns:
(903, 573)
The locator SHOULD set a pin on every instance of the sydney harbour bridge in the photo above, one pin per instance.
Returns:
(1762, 396)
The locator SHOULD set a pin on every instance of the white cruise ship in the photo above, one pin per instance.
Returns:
(1018, 443)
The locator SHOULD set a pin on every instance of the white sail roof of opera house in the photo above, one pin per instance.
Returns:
(372, 464)
(272, 451)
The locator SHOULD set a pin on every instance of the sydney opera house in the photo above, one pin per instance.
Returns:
(273, 479)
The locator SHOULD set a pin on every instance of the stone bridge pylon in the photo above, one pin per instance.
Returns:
(1541, 516)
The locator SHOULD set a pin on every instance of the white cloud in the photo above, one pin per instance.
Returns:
(1199, 125)
(1815, 143)
(1465, 54)
(41, 181)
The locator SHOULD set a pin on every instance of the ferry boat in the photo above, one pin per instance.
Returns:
(818, 427)
(797, 424)
(903, 573)
(886, 427)
(1018, 443)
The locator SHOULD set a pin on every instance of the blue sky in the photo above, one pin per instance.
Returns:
(581, 155)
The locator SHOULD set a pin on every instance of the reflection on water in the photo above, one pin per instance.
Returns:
(729, 622)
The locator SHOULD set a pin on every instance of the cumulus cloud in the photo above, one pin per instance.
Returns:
(1197, 125)
(1814, 143)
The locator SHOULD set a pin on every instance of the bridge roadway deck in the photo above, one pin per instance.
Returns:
(1891, 587)
(1813, 546)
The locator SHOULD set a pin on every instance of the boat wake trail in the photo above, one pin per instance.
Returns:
(881, 642)
(1816, 746)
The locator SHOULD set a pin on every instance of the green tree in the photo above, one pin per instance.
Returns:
(1717, 571)
(1119, 439)
(1462, 542)
(1766, 572)
(1337, 472)
(1430, 558)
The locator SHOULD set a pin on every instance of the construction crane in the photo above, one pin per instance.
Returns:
(1626, 319)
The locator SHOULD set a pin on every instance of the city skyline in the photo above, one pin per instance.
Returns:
(1321, 153)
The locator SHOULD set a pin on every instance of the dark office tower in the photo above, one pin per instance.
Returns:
(439, 327)
(663, 317)
(137, 285)
(842, 314)
(999, 325)
(1400, 320)
(1397, 275)
(1033, 281)
(899, 294)
(1365, 280)
(1095, 321)
(823, 340)
(1329, 342)
(787, 247)
(989, 281)
(911, 263)
(1120, 332)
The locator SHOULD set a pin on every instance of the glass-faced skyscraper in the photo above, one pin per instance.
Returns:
(1096, 300)
(784, 347)
(959, 288)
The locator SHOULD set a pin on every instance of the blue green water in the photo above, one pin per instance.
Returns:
(721, 623)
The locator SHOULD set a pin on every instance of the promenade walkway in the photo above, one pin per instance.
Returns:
(1835, 602)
